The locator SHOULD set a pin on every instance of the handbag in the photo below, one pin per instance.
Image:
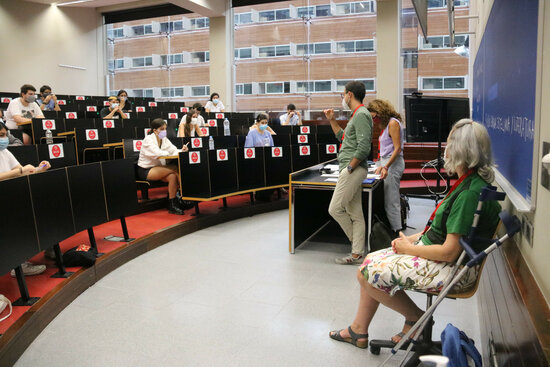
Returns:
(82, 255)
(380, 235)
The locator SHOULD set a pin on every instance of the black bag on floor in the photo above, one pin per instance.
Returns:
(380, 235)
(82, 255)
(405, 209)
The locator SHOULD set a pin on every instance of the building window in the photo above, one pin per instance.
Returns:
(442, 41)
(272, 15)
(200, 91)
(198, 23)
(202, 56)
(243, 18)
(139, 62)
(272, 51)
(306, 12)
(171, 92)
(369, 84)
(242, 89)
(173, 59)
(437, 3)
(354, 8)
(409, 18)
(274, 88)
(440, 83)
(410, 58)
(316, 86)
(142, 92)
(322, 11)
(118, 32)
(355, 46)
(138, 30)
(313, 48)
(243, 53)
(119, 64)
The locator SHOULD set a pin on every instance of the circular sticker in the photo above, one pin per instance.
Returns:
(222, 154)
(194, 157)
(71, 115)
(277, 152)
(249, 153)
(203, 131)
(331, 148)
(302, 139)
(56, 152)
(48, 124)
(212, 122)
(91, 134)
(108, 124)
(138, 144)
(196, 142)
(172, 116)
(304, 130)
(305, 150)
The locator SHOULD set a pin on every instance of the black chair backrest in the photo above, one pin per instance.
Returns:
(59, 155)
(25, 154)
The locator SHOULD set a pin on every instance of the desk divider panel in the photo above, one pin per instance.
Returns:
(119, 183)
(40, 125)
(225, 142)
(328, 152)
(59, 155)
(211, 131)
(87, 195)
(195, 178)
(304, 156)
(19, 241)
(223, 171)
(327, 139)
(304, 129)
(178, 142)
(282, 139)
(282, 130)
(309, 139)
(241, 139)
(324, 129)
(197, 143)
(52, 207)
(115, 135)
(71, 124)
(25, 154)
(277, 165)
(251, 168)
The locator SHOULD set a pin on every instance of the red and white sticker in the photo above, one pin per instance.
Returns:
(105, 103)
(302, 139)
(205, 131)
(127, 114)
(137, 145)
(61, 102)
(194, 158)
(71, 115)
(91, 134)
(152, 104)
(222, 155)
(304, 150)
(140, 109)
(56, 151)
(220, 116)
(91, 108)
(184, 109)
(304, 129)
(331, 148)
(80, 98)
(249, 153)
(108, 124)
(196, 143)
(172, 116)
(212, 123)
(146, 131)
(6, 99)
(48, 124)
(276, 152)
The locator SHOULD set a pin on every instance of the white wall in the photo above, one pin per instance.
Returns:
(537, 257)
(35, 39)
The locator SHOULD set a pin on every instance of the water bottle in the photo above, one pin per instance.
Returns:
(211, 143)
(226, 131)
(49, 137)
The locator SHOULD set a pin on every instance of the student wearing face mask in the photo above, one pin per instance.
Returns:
(214, 105)
(198, 107)
(10, 168)
(113, 111)
(346, 204)
(151, 168)
(47, 100)
(125, 104)
(259, 136)
(189, 125)
(12, 140)
(22, 110)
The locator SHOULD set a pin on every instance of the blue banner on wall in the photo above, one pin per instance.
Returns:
(504, 88)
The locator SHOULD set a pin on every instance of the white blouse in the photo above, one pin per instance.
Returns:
(150, 151)
(214, 108)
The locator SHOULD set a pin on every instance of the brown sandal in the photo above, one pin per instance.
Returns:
(411, 324)
(336, 335)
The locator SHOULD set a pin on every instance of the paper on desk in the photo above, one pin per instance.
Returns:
(372, 175)
(330, 174)
(332, 167)
(331, 179)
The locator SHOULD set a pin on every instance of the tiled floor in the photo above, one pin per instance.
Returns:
(230, 295)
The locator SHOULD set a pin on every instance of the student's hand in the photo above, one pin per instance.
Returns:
(28, 169)
(47, 99)
(298, 113)
(54, 97)
(329, 113)
(401, 244)
(44, 164)
(382, 172)
(184, 148)
(291, 114)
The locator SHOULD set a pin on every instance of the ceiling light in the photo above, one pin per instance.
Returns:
(72, 2)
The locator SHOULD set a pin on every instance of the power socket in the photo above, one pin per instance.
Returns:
(527, 230)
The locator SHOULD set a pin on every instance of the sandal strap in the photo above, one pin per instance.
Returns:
(410, 322)
(355, 336)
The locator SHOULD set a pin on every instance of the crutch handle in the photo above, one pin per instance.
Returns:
(511, 223)
(491, 193)
(467, 248)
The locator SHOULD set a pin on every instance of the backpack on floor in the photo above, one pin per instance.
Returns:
(82, 255)
(380, 235)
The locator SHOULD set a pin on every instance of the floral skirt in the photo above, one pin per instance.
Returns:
(390, 272)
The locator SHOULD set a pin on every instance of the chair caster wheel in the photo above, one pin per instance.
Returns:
(374, 350)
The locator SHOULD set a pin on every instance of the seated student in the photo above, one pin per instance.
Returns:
(125, 104)
(13, 141)
(197, 106)
(47, 100)
(10, 168)
(22, 110)
(259, 136)
(291, 117)
(113, 111)
(214, 105)
(151, 168)
(256, 123)
(423, 261)
(189, 125)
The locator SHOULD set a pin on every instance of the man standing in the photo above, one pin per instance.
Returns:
(22, 110)
(346, 205)
(291, 117)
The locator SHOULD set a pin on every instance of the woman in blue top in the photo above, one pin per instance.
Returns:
(259, 136)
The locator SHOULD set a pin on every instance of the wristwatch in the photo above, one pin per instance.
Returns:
(350, 169)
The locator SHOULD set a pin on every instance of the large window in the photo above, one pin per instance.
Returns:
(243, 53)
(200, 91)
(438, 83)
(354, 46)
(197, 23)
(272, 15)
(243, 18)
(341, 84)
(202, 56)
(139, 62)
(313, 48)
(273, 51)
(244, 88)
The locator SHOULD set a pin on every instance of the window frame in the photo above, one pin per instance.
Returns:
(206, 90)
(422, 78)
(274, 51)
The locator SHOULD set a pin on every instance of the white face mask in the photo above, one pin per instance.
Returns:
(194, 121)
(344, 104)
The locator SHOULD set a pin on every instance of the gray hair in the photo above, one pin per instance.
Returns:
(469, 147)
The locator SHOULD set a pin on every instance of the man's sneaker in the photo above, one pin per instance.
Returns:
(4, 302)
(30, 269)
(349, 260)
